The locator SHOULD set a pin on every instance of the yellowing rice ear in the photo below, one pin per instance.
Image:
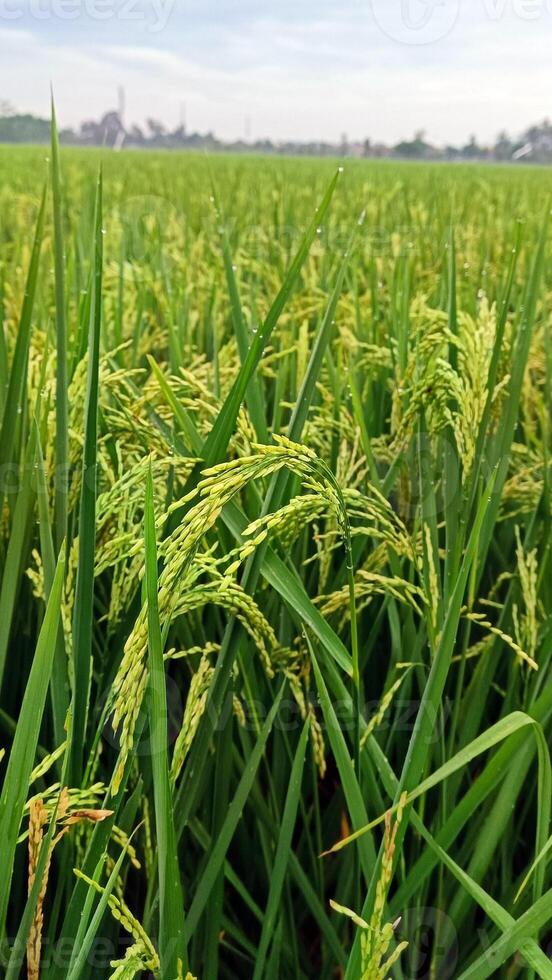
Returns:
(215, 490)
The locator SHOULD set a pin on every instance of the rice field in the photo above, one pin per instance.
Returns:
(276, 595)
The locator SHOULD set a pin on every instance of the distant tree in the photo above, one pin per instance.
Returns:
(157, 130)
(24, 129)
(89, 132)
(415, 149)
(471, 151)
(539, 140)
(534, 145)
(178, 135)
(503, 147)
(136, 136)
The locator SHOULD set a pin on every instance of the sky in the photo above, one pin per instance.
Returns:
(308, 69)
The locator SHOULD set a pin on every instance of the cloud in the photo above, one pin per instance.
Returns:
(14, 39)
(296, 70)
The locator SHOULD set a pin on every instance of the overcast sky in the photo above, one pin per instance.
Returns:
(309, 69)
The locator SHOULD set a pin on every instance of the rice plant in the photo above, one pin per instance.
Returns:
(275, 609)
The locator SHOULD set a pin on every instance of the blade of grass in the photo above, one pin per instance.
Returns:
(21, 760)
(59, 685)
(217, 440)
(254, 394)
(16, 554)
(497, 733)
(83, 613)
(18, 373)
(511, 756)
(172, 948)
(348, 776)
(218, 854)
(530, 950)
(430, 703)
(18, 949)
(524, 928)
(87, 940)
(62, 410)
(281, 855)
